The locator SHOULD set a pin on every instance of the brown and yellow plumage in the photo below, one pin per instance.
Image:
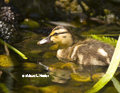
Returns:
(87, 52)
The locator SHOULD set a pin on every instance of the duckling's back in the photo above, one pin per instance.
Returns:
(90, 52)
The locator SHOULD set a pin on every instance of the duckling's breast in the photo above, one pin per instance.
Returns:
(63, 54)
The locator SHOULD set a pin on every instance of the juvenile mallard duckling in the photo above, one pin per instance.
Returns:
(87, 52)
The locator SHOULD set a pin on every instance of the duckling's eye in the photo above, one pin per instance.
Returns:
(55, 34)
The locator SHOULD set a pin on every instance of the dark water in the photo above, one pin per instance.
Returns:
(17, 79)
(14, 81)
(59, 78)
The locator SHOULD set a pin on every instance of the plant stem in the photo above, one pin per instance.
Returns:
(14, 49)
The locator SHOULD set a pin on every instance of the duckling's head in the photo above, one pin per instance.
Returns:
(59, 35)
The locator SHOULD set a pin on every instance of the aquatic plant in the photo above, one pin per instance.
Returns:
(108, 40)
(116, 84)
(10, 17)
(14, 49)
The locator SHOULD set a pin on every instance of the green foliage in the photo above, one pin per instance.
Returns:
(108, 40)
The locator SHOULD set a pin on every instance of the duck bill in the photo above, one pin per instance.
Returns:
(44, 41)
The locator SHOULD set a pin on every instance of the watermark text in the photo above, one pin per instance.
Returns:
(35, 75)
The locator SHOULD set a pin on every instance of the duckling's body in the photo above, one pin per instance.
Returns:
(87, 52)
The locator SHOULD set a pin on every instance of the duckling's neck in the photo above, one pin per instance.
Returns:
(62, 47)
(65, 45)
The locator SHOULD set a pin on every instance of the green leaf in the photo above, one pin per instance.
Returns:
(108, 40)
(116, 84)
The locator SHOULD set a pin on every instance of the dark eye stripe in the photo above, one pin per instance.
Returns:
(55, 34)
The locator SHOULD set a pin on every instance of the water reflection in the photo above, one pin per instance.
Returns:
(85, 76)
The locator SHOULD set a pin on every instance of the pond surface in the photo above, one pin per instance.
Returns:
(42, 72)
(33, 74)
